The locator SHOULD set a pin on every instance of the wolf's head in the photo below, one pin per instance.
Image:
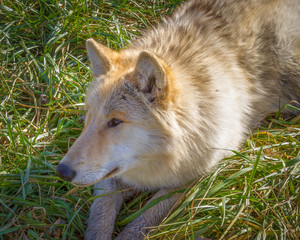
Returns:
(124, 134)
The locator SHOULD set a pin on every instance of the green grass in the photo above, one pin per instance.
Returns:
(44, 72)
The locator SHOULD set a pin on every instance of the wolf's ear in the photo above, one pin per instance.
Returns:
(152, 78)
(100, 57)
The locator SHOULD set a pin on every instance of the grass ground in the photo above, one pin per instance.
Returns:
(43, 74)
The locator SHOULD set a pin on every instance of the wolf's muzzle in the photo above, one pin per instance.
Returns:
(64, 172)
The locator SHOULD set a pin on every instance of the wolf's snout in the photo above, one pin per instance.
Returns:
(64, 172)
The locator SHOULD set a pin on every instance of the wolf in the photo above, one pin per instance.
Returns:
(167, 108)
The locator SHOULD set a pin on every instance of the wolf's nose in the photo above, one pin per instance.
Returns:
(64, 172)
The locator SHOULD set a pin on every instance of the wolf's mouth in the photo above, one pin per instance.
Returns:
(111, 173)
(108, 175)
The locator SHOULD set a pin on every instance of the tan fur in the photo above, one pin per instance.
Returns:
(186, 92)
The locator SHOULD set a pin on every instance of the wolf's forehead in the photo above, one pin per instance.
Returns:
(121, 97)
(112, 97)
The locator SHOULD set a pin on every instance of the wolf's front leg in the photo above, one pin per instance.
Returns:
(139, 228)
(104, 210)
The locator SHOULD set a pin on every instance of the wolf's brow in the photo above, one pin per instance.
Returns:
(112, 104)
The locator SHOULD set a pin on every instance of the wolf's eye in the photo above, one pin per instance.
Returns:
(113, 123)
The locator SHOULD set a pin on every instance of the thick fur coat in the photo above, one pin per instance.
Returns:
(177, 100)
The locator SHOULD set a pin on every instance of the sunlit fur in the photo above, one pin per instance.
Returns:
(187, 91)
(226, 64)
